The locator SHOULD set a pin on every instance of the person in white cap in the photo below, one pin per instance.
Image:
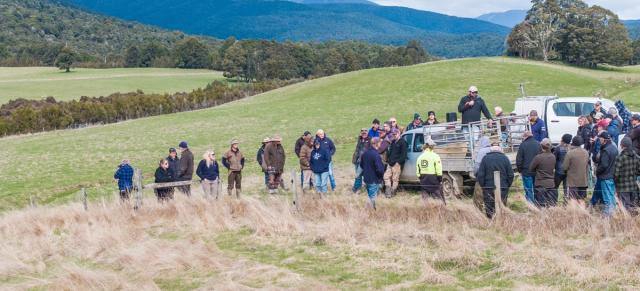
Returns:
(429, 170)
(233, 160)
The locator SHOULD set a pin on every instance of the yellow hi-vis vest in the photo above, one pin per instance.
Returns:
(429, 164)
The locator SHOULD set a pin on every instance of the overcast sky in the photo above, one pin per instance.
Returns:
(626, 9)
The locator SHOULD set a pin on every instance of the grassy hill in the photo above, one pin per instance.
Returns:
(54, 166)
(38, 82)
(443, 35)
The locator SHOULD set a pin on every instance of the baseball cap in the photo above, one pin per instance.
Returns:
(473, 89)
(635, 116)
(545, 142)
(533, 113)
(604, 135)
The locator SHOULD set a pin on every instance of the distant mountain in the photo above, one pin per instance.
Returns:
(634, 28)
(332, 1)
(34, 31)
(508, 18)
(443, 35)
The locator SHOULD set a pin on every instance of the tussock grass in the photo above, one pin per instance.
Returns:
(333, 243)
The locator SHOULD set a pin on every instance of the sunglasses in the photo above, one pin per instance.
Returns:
(473, 92)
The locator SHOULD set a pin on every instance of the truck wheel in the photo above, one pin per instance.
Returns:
(452, 186)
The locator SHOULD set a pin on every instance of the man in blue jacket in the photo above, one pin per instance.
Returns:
(124, 175)
(538, 128)
(372, 170)
(327, 144)
(605, 172)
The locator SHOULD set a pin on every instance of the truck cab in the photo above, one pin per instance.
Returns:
(560, 114)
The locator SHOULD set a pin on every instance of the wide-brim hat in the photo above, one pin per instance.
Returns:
(234, 141)
(276, 138)
(266, 140)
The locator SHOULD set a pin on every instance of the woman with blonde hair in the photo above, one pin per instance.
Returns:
(164, 175)
(208, 172)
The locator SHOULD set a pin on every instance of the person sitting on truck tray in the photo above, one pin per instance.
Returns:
(471, 107)
(429, 170)
(431, 119)
(494, 161)
(575, 166)
(538, 127)
(527, 151)
(634, 134)
(416, 123)
(544, 165)
(605, 172)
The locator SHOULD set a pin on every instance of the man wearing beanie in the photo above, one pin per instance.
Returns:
(575, 167)
(560, 152)
(527, 151)
(634, 134)
(185, 170)
(544, 165)
(605, 169)
(627, 170)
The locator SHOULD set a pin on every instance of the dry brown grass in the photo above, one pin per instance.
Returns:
(264, 242)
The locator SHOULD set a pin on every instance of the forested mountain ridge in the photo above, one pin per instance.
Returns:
(34, 31)
(442, 35)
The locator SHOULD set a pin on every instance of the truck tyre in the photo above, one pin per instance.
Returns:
(452, 186)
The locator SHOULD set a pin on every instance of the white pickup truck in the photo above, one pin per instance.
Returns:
(560, 114)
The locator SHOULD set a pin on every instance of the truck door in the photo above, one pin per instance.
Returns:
(562, 117)
(414, 142)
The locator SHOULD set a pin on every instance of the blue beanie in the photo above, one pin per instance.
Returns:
(183, 144)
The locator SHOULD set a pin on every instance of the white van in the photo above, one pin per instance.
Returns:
(560, 114)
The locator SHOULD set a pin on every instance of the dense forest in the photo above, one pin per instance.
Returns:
(35, 31)
(442, 35)
(573, 32)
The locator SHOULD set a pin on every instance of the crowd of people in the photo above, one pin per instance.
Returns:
(380, 155)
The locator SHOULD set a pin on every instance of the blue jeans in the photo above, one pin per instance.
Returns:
(266, 178)
(332, 179)
(504, 137)
(596, 198)
(357, 183)
(372, 191)
(608, 195)
(321, 181)
(527, 183)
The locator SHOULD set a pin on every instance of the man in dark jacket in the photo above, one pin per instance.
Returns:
(472, 106)
(634, 134)
(626, 173)
(361, 146)
(274, 159)
(538, 127)
(372, 170)
(327, 143)
(174, 162)
(526, 152)
(544, 165)
(124, 175)
(396, 159)
(299, 143)
(185, 170)
(492, 162)
(606, 164)
(416, 123)
(260, 160)
(598, 109)
(560, 152)
(320, 158)
(164, 175)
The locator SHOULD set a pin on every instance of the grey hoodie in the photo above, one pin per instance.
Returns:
(484, 148)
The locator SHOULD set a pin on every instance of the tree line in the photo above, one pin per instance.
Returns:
(28, 116)
(573, 32)
(258, 60)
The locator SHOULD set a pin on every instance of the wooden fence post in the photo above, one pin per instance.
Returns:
(497, 194)
(84, 199)
(138, 198)
(32, 201)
